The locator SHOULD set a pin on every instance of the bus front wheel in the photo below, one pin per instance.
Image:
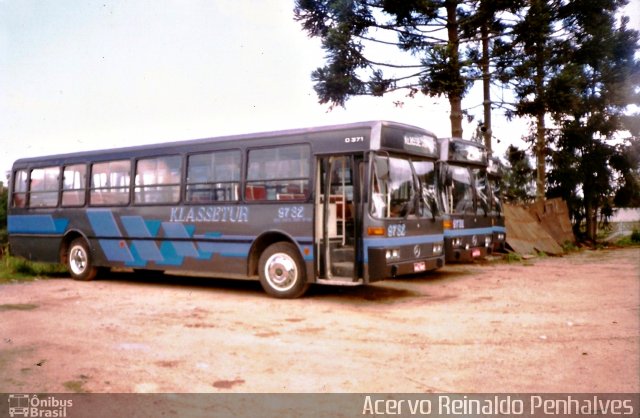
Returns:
(79, 261)
(282, 272)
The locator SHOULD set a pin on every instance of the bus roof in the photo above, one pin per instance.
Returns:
(201, 143)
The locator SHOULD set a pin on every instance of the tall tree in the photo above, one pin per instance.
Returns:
(536, 52)
(591, 95)
(428, 30)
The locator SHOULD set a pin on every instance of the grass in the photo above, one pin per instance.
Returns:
(512, 257)
(14, 269)
(632, 240)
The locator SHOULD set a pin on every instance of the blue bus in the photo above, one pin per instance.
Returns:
(344, 205)
(465, 189)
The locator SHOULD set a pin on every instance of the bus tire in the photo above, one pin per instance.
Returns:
(282, 272)
(80, 262)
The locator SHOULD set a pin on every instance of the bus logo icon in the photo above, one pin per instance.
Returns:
(19, 405)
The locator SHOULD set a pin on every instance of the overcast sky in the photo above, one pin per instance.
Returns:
(81, 75)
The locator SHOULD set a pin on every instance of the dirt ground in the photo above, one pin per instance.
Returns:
(568, 324)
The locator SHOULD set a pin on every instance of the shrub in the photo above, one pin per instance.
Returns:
(569, 247)
(512, 257)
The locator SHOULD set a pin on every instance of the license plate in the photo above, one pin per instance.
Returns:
(419, 266)
(475, 252)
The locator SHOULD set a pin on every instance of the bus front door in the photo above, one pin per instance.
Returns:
(335, 220)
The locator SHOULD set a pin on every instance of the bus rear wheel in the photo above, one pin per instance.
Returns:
(282, 272)
(79, 261)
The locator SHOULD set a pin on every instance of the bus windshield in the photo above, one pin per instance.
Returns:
(393, 187)
(483, 188)
(496, 195)
(461, 190)
(402, 187)
(426, 173)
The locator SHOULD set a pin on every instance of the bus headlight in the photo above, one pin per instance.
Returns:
(437, 248)
(456, 242)
(392, 254)
(487, 241)
(501, 237)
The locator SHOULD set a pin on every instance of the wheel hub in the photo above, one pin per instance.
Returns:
(78, 260)
(281, 271)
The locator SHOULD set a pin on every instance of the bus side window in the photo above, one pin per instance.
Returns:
(279, 173)
(74, 185)
(43, 190)
(158, 180)
(110, 183)
(213, 176)
(19, 195)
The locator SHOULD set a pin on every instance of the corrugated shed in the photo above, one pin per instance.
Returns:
(553, 216)
(525, 234)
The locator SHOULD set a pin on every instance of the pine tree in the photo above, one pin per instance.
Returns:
(534, 54)
(591, 96)
(434, 34)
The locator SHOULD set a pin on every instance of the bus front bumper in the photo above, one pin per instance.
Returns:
(380, 268)
(466, 255)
